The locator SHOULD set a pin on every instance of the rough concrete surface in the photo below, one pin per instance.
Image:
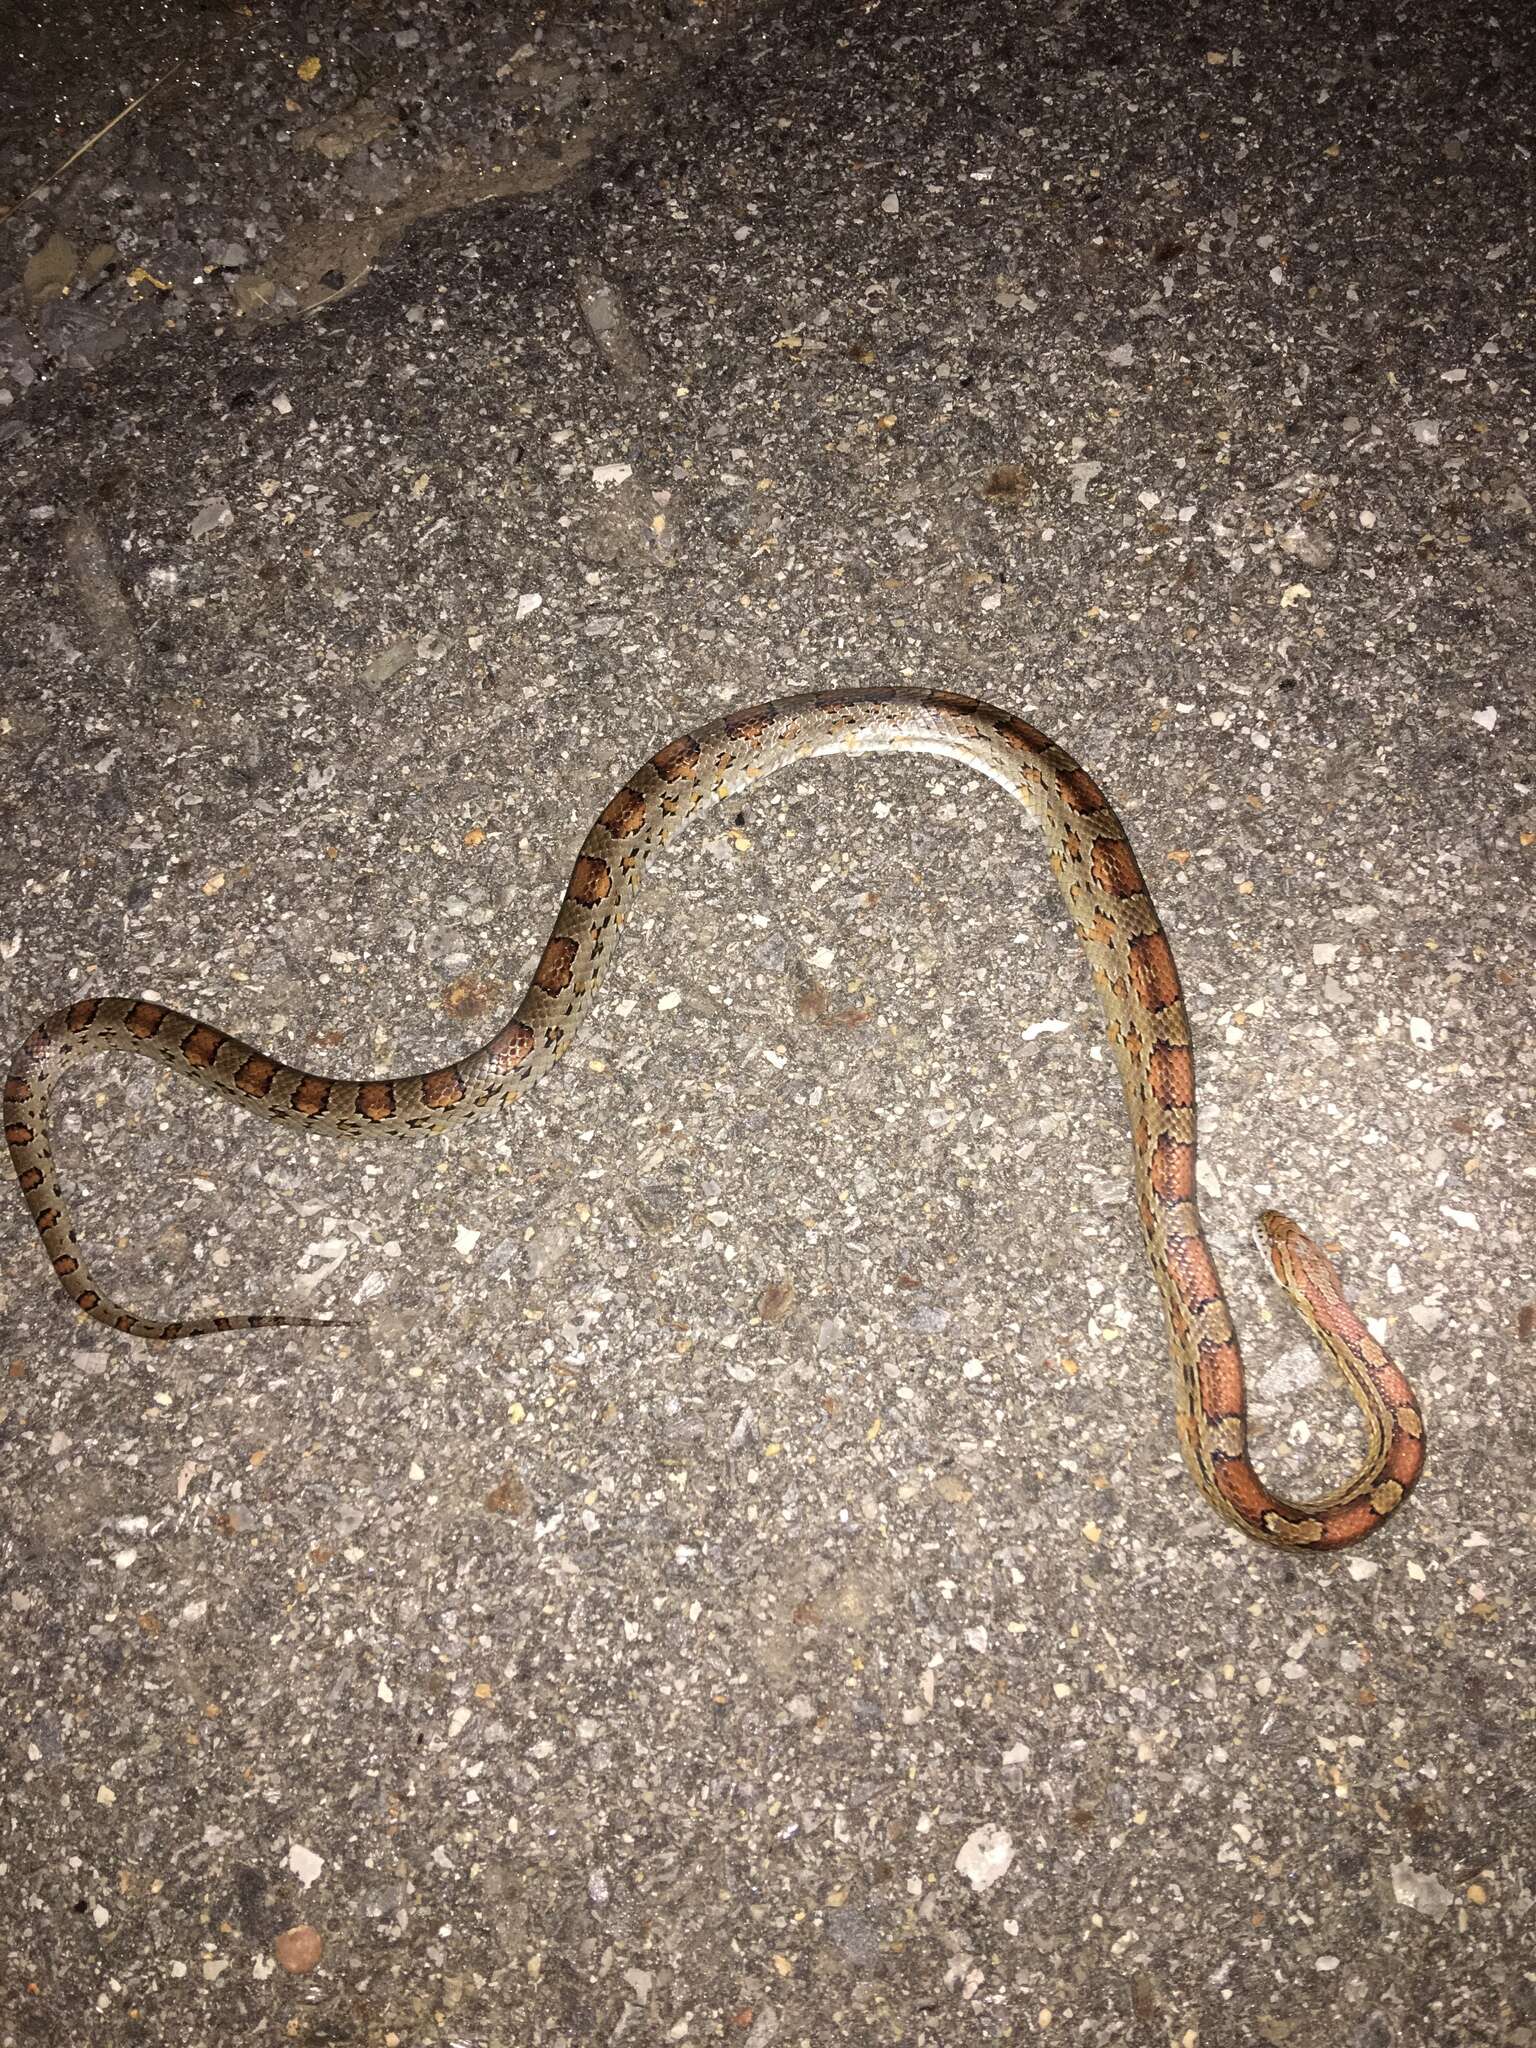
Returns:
(739, 1582)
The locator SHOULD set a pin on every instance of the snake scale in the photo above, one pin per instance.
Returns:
(1144, 1015)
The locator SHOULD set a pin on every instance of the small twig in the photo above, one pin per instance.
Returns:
(91, 141)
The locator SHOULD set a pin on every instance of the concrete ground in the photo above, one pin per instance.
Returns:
(739, 1584)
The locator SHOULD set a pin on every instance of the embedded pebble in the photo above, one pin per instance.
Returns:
(985, 1856)
(299, 1948)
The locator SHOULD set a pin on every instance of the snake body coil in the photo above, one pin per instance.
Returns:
(1144, 1016)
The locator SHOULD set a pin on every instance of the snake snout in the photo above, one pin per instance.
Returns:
(1271, 1232)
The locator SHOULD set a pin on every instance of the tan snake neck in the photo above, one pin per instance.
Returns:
(1144, 1017)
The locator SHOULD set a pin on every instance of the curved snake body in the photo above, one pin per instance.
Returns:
(1144, 1015)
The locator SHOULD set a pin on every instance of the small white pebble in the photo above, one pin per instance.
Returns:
(985, 1856)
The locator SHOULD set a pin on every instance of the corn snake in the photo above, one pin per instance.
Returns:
(1145, 1020)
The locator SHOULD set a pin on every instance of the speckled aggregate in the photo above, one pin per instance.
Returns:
(740, 1584)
